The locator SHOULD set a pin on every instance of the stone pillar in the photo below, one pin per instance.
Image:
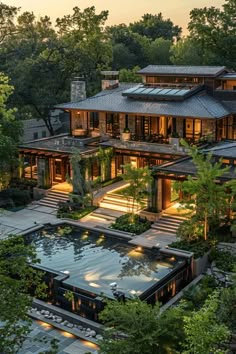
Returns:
(122, 122)
(102, 123)
(43, 172)
(166, 198)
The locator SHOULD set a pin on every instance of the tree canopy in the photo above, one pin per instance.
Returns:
(16, 278)
(10, 131)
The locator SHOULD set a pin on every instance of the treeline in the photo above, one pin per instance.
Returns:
(41, 58)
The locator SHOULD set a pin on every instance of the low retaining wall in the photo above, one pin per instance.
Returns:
(227, 247)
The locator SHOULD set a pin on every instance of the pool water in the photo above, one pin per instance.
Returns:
(95, 261)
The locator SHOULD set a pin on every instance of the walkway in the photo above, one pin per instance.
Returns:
(41, 335)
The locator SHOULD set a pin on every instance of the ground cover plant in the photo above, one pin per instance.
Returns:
(137, 226)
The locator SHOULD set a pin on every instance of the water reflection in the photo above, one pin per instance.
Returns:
(94, 261)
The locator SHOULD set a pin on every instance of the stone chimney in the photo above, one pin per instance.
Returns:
(78, 90)
(110, 80)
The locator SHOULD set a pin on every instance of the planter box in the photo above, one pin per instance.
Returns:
(200, 265)
(39, 193)
(149, 215)
(125, 136)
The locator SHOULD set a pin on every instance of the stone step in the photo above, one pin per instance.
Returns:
(173, 217)
(170, 222)
(123, 202)
(48, 204)
(162, 228)
(113, 206)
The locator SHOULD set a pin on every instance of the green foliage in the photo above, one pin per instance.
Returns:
(209, 200)
(224, 260)
(204, 334)
(16, 278)
(186, 52)
(133, 328)
(64, 230)
(154, 26)
(136, 327)
(69, 295)
(159, 51)
(196, 295)
(199, 248)
(189, 231)
(139, 180)
(13, 197)
(132, 224)
(10, 130)
(73, 211)
(214, 30)
(130, 75)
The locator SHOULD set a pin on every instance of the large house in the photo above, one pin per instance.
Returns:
(142, 124)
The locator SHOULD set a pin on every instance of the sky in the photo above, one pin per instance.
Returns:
(120, 11)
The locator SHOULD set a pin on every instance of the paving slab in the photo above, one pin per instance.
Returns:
(153, 238)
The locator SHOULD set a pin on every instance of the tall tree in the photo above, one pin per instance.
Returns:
(87, 48)
(215, 31)
(16, 278)
(10, 130)
(139, 180)
(187, 52)
(209, 200)
(155, 26)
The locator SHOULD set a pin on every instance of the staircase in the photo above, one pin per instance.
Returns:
(168, 223)
(120, 203)
(53, 198)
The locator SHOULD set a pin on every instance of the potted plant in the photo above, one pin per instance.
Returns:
(125, 136)
(174, 139)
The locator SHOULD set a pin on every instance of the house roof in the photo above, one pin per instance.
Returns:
(62, 144)
(182, 70)
(199, 105)
(225, 149)
(228, 76)
(184, 167)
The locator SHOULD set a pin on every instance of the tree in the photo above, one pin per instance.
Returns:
(159, 51)
(187, 52)
(87, 46)
(155, 26)
(209, 199)
(204, 334)
(215, 31)
(17, 277)
(138, 179)
(130, 75)
(133, 328)
(10, 130)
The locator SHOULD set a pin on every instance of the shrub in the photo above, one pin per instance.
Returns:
(224, 260)
(137, 226)
(13, 197)
(75, 214)
(199, 248)
(190, 230)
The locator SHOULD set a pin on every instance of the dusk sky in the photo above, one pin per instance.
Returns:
(120, 11)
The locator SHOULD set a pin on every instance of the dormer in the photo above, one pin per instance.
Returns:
(190, 76)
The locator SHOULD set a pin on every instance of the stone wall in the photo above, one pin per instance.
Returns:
(227, 247)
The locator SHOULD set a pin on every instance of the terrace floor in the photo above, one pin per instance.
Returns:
(41, 335)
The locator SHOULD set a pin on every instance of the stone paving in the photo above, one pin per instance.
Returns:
(42, 334)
